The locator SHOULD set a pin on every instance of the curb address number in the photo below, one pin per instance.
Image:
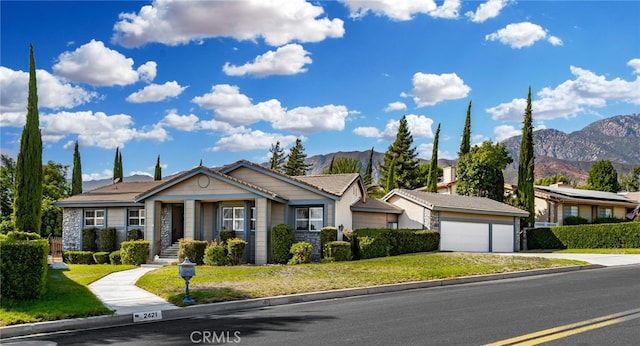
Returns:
(147, 316)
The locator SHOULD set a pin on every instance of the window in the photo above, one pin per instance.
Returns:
(253, 218)
(570, 210)
(136, 217)
(605, 212)
(309, 219)
(94, 217)
(233, 218)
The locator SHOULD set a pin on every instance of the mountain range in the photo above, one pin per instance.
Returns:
(616, 139)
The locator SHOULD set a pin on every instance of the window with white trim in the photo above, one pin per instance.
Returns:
(253, 218)
(570, 210)
(605, 212)
(233, 218)
(136, 217)
(309, 219)
(94, 217)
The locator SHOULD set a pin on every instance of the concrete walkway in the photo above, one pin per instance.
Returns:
(600, 259)
(118, 291)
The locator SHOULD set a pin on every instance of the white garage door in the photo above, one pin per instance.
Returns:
(464, 236)
(501, 238)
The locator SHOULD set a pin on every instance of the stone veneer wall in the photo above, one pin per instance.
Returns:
(312, 238)
(430, 219)
(72, 229)
(165, 226)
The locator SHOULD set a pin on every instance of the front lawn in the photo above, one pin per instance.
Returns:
(67, 296)
(631, 251)
(214, 284)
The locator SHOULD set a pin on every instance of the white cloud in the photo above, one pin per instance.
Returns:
(419, 126)
(96, 129)
(395, 106)
(231, 106)
(402, 9)
(367, 131)
(174, 22)
(251, 141)
(519, 35)
(487, 10)
(424, 151)
(635, 64)
(180, 122)
(105, 174)
(140, 173)
(95, 64)
(430, 89)
(156, 92)
(286, 60)
(53, 93)
(503, 132)
(571, 97)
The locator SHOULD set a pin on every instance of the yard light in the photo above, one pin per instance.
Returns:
(187, 270)
(340, 229)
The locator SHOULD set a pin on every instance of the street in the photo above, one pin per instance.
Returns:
(470, 314)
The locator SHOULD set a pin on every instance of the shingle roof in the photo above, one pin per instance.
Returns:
(335, 184)
(441, 202)
(123, 192)
(375, 206)
(584, 194)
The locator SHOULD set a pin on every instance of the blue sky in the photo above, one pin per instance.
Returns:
(224, 80)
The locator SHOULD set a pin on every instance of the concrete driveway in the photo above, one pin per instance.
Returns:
(601, 259)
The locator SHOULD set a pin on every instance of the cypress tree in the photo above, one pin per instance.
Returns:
(391, 177)
(525, 191)
(120, 170)
(116, 175)
(27, 205)
(465, 144)
(277, 157)
(432, 179)
(200, 164)
(157, 175)
(329, 170)
(296, 165)
(406, 164)
(368, 172)
(76, 175)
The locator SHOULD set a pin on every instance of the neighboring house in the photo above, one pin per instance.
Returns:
(243, 196)
(465, 223)
(448, 184)
(557, 202)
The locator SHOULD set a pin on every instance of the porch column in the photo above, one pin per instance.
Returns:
(190, 219)
(261, 245)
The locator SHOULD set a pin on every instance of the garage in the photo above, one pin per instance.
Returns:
(476, 237)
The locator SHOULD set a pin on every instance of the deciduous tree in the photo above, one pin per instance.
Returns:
(603, 177)
(481, 174)
(278, 157)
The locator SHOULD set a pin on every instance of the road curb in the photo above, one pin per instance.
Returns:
(112, 321)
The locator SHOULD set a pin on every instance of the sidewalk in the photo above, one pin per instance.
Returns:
(607, 260)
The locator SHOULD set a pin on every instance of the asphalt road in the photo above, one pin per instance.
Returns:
(471, 314)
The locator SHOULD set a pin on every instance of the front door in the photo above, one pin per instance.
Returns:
(177, 222)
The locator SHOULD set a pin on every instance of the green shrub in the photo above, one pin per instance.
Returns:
(193, 249)
(543, 238)
(369, 247)
(619, 235)
(23, 268)
(575, 220)
(101, 257)
(338, 251)
(6, 226)
(215, 255)
(235, 250)
(227, 234)
(20, 235)
(107, 239)
(396, 241)
(134, 252)
(89, 239)
(327, 234)
(78, 257)
(610, 220)
(115, 258)
(282, 237)
(301, 253)
(134, 234)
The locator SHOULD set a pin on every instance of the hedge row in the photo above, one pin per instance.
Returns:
(23, 265)
(618, 235)
(282, 237)
(192, 249)
(369, 243)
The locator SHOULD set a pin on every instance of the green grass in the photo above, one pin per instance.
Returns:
(66, 296)
(214, 284)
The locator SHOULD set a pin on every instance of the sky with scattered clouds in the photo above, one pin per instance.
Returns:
(220, 81)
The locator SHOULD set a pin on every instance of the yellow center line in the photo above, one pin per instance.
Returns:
(582, 326)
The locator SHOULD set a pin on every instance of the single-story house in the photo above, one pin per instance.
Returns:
(465, 223)
(556, 202)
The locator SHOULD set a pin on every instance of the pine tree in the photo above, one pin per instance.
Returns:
(432, 179)
(296, 165)
(28, 177)
(525, 191)
(76, 175)
(391, 179)
(368, 172)
(406, 164)
(465, 144)
(277, 157)
(157, 175)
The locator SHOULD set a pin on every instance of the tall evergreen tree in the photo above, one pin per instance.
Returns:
(465, 144)
(28, 178)
(296, 165)
(277, 157)
(329, 170)
(76, 174)
(432, 179)
(116, 165)
(200, 164)
(406, 164)
(391, 177)
(368, 171)
(120, 170)
(525, 191)
(157, 174)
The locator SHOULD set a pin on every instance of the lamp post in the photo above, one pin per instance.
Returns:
(187, 270)
(340, 229)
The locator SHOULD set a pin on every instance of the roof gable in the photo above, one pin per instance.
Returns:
(114, 194)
